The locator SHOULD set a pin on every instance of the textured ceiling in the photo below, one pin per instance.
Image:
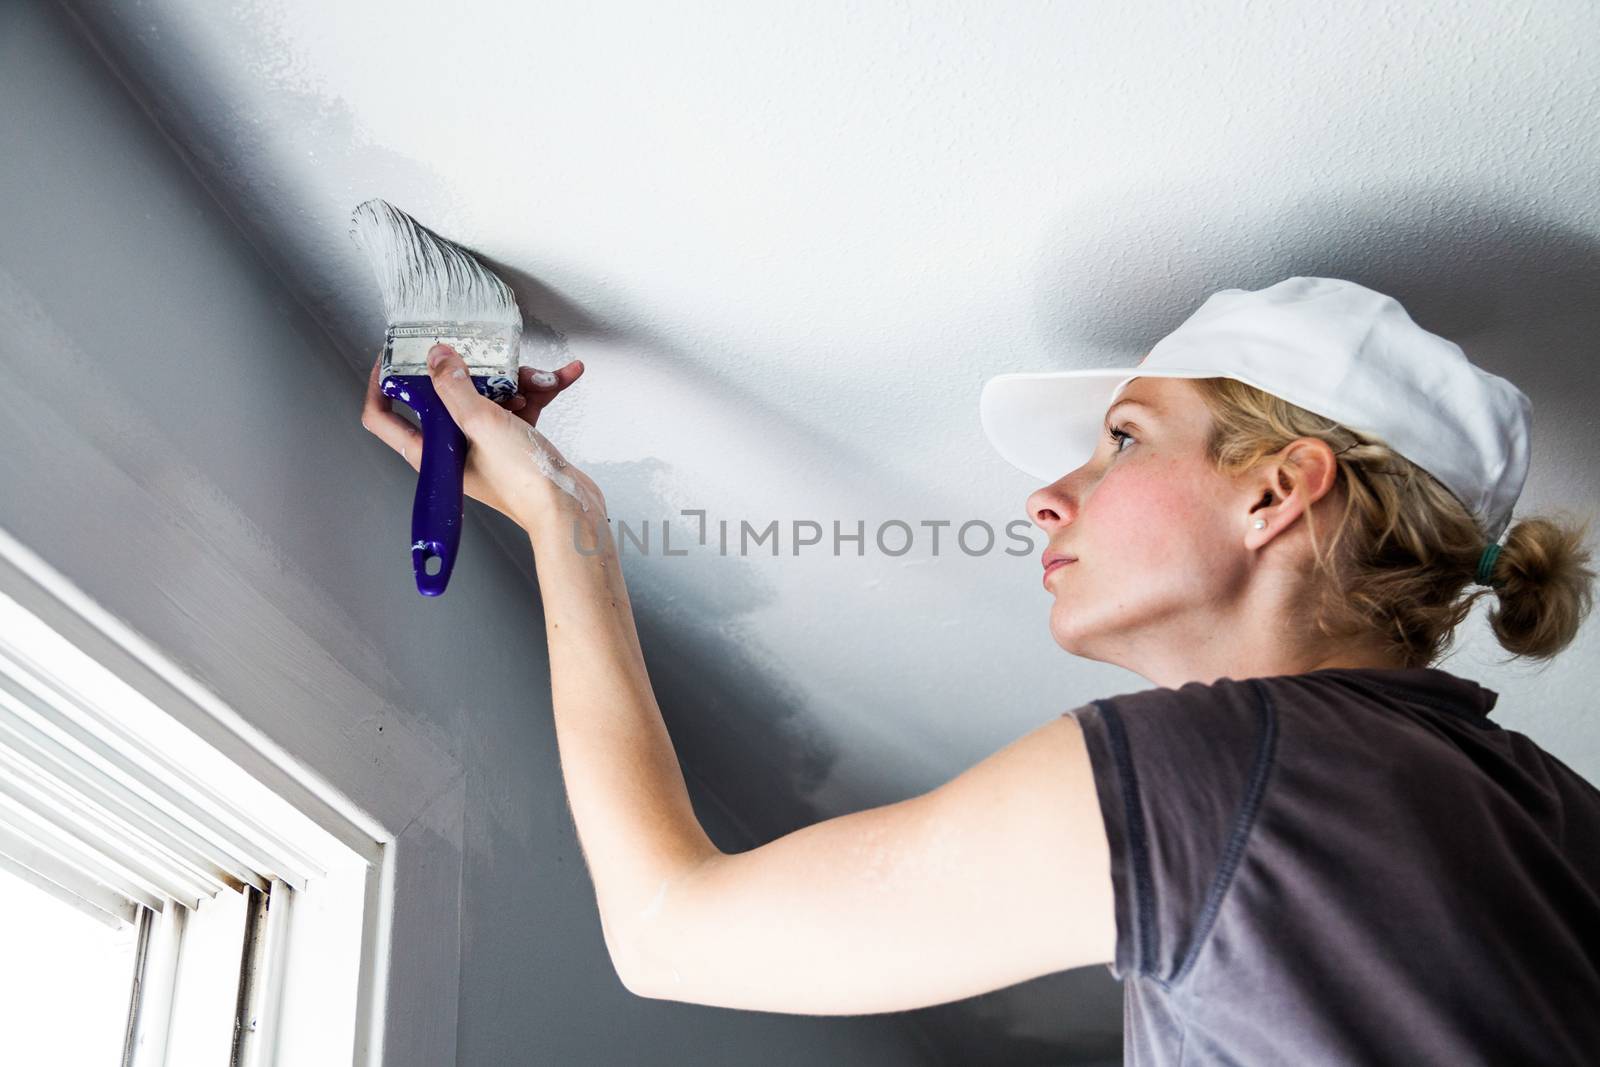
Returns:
(791, 242)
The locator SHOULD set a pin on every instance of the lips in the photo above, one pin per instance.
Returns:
(1051, 558)
(1054, 561)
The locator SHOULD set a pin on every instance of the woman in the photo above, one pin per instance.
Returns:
(1305, 845)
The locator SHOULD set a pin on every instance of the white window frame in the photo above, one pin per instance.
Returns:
(405, 822)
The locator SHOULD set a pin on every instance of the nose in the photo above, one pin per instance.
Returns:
(1052, 505)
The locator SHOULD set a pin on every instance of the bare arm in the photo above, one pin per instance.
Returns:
(636, 828)
(998, 876)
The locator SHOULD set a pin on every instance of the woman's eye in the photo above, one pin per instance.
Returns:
(1117, 436)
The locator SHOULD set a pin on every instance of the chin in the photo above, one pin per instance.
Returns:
(1068, 637)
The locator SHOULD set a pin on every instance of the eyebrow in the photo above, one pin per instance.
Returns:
(1132, 403)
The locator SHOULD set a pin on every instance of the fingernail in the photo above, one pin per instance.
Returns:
(437, 353)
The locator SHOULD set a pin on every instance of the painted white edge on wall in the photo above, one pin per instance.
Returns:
(414, 870)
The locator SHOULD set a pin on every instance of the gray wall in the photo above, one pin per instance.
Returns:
(163, 390)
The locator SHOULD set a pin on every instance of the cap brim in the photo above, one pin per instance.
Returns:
(1048, 423)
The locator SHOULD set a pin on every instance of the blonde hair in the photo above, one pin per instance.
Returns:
(1405, 547)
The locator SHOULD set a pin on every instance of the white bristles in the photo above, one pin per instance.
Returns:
(425, 279)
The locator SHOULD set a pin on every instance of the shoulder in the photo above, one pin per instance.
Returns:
(1180, 774)
(1190, 696)
(1193, 719)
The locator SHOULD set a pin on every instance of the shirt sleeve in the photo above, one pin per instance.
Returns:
(1180, 775)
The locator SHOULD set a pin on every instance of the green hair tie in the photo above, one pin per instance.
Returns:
(1486, 563)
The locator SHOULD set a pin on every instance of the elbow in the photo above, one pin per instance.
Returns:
(648, 991)
(632, 972)
(624, 961)
(632, 982)
(645, 964)
(630, 985)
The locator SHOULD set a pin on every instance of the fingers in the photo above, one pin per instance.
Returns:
(454, 386)
(551, 380)
(374, 394)
(379, 417)
(536, 388)
(539, 387)
(532, 378)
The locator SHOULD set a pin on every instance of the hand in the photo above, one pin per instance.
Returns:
(511, 466)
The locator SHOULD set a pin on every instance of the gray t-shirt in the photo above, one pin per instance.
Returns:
(1346, 866)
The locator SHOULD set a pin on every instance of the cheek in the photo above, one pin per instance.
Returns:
(1154, 512)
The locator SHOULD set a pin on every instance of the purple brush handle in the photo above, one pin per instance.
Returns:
(436, 514)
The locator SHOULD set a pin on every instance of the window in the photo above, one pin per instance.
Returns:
(65, 977)
(135, 856)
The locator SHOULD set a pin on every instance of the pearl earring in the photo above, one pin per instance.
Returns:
(1261, 523)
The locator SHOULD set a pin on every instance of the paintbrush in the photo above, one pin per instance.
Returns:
(435, 292)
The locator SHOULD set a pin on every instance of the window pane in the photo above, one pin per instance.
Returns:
(65, 980)
(207, 994)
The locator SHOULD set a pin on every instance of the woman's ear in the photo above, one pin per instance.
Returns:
(1286, 484)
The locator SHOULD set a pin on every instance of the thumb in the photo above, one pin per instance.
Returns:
(454, 387)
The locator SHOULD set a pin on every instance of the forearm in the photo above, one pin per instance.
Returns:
(636, 828)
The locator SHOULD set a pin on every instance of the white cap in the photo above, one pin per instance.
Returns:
(1327, 345)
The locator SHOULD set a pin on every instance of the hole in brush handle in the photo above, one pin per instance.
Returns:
(431, 564)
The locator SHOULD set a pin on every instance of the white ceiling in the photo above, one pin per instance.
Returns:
(790, 243)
